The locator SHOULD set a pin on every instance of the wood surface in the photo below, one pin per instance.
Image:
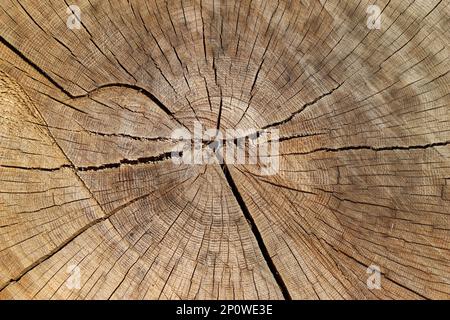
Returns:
(86, 179)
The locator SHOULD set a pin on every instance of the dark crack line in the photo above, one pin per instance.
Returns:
(124, 135)
(257, 234)
(141, 160)
(252, 93)
(145, 92)
(304, 135)
(388, 148)
(35, 66)
(53, 252)
(73, 237)
(38, 168)
(219, 116)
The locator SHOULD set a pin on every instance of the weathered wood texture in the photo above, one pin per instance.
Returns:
(85, 124)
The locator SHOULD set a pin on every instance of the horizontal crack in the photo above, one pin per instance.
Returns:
(128, 136)
(259, 239)
(141, 160)
(278, 123)
(305, 135)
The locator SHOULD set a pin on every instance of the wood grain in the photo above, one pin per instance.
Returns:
(87, 180)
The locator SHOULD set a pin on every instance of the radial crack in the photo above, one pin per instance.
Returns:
(141, 160)
(256, 233)
(275, 124)
(387, 148)
(145, 92)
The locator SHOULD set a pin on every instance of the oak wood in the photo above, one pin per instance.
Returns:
(86, 178)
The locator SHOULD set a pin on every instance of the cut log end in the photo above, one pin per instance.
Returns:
(93, 204)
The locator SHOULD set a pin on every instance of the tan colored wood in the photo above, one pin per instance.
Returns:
(87, 180)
